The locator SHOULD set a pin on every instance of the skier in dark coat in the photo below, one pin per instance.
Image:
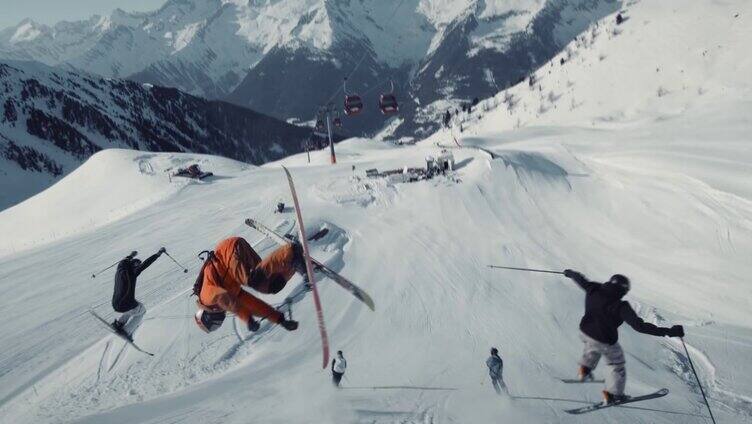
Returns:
(605, 311)
(447, 118)
(124, 294)
(495, 366)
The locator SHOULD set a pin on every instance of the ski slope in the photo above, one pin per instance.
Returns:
(660, 193)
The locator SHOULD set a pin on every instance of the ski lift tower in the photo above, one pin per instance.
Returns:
(327, 112)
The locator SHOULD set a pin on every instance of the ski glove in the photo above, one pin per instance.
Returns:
(571, 274)
(675, 331)
(289, 325)
(162, 250)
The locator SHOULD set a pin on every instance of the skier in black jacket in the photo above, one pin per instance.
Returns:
(124, 294)
(605, 311)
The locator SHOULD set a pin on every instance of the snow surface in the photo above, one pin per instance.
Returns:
(143, 179)
(655, 187)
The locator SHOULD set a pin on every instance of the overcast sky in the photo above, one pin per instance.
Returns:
(51, 11)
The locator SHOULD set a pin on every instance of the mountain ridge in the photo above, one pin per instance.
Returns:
(53, 119)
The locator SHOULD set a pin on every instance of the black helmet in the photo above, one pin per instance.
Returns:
(494, 351)
(621, 282)
(209, 321)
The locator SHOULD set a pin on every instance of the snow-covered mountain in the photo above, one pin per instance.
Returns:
(52, 120)
(287, 57)
(628, 152)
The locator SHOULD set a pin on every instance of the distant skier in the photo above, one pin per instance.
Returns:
(124, 294)
(495, 367)
(604, 313)
(233, 264)
(447, 118)
(339, 365)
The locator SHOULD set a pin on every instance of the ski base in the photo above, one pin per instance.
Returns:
(600, 405)
(309, 271)
(122, 337)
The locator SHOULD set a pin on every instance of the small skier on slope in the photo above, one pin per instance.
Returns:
(233, 264)
(495, 366)
(124, 294)
(605, 311)
(339, 365)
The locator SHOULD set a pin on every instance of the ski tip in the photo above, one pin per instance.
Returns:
(369, 302)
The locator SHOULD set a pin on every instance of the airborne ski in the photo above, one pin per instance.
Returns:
(309, 271)
(600, 405)
(343, 282)
(121, 336)
(316, 237)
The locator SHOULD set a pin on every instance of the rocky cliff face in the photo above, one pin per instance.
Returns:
(52, 119)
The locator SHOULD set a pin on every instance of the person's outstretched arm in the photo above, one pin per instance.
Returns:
(630, 317)
(147, 263)
(580, 279)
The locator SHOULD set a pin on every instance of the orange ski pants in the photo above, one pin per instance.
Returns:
(236, 264)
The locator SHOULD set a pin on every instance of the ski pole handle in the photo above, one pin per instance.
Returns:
(526, 269)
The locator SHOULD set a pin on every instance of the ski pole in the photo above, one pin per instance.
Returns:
(131, 256)
(698, 379)
(185, 270)
(526, 269)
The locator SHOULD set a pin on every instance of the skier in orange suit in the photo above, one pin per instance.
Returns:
(233, 264)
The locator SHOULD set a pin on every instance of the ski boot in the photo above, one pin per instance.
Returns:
(611, 399)
(253, 325)
(289, 324)
(585, 374)
(119, 329)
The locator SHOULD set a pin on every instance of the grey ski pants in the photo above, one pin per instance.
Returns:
(132, 319)
(498, 385)
(616, 378)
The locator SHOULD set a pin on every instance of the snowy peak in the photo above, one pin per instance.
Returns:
(605, 75)
(28, 31)
(434, 50)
